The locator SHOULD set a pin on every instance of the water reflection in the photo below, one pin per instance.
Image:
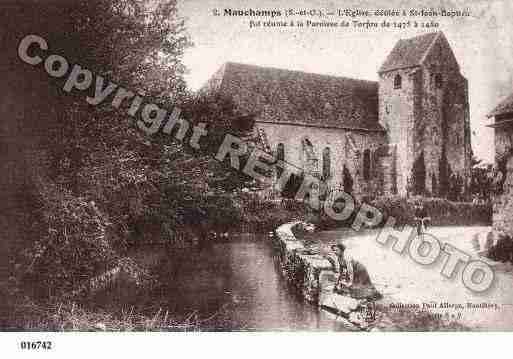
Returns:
(235, 285)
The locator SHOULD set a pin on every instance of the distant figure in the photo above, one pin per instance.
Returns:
(421, 217)
(353, 279)
(498, 181)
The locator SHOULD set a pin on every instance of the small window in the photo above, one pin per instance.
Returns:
(398, 81)
(326, 163)
(308, 149)
(439, 81)
(280, 152)
(280, 156)
(434, 134)
(366, 164)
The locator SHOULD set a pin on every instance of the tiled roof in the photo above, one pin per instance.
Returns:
(294, 97)
(503, 108)
(409, 52)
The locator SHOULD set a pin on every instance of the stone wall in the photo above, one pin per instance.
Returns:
(312, 275)
(503, 141)
(396, 114)
(503, 201)
(444, 117)
(503, 204)
(346, 148)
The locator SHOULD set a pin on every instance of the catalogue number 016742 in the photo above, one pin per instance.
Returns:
(36, 345)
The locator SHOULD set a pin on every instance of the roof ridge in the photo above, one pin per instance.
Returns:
(299, 72)
(436, 33)
(435, 38)
(505, 106)
(293, 97)
(410, 52)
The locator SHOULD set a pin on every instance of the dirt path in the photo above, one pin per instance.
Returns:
(403, 282)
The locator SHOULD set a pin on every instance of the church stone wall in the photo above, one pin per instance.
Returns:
(443, 123)
(423, 115)
(445, 113)
(396, 113)
(342, 154)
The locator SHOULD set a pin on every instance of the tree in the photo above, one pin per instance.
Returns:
(95, 154)
(445, 174)
(221, 117)
(434, 185)
(419, 175)
(481, 184)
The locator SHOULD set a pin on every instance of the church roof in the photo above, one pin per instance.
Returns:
(503, 108)
(295, 97)
(409, 52)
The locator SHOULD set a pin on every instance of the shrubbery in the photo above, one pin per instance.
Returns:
(72, 244)
(442, 212)
(266, 215)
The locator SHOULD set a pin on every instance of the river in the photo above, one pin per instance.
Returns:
(233, 285)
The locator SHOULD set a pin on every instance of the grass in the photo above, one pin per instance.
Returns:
(73, 317)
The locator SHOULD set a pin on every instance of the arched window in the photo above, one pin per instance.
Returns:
(398, 81)
(348, 180)
(280, 156)
(439, 81)
(310, 160)
(280, 152)
(326, 163)
(366, 164)
(434, 135)
(308, 151)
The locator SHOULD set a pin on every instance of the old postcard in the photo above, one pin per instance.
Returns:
(261, 166)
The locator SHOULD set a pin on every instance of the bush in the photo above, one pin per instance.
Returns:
(265, 215)
(502, 250)
(72, 245)
(442, 212)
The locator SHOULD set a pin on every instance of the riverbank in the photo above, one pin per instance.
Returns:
(303, 260)
(415, 297)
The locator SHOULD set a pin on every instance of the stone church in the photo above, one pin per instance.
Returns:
(364, 137)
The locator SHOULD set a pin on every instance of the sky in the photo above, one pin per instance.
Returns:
(482, 44)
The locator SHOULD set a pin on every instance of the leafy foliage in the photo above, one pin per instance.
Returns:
(419, 175)
(442, 211)
(110, 185)
(72, 245)
(445, 174)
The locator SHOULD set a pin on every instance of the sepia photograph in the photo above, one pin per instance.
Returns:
(295, 167)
